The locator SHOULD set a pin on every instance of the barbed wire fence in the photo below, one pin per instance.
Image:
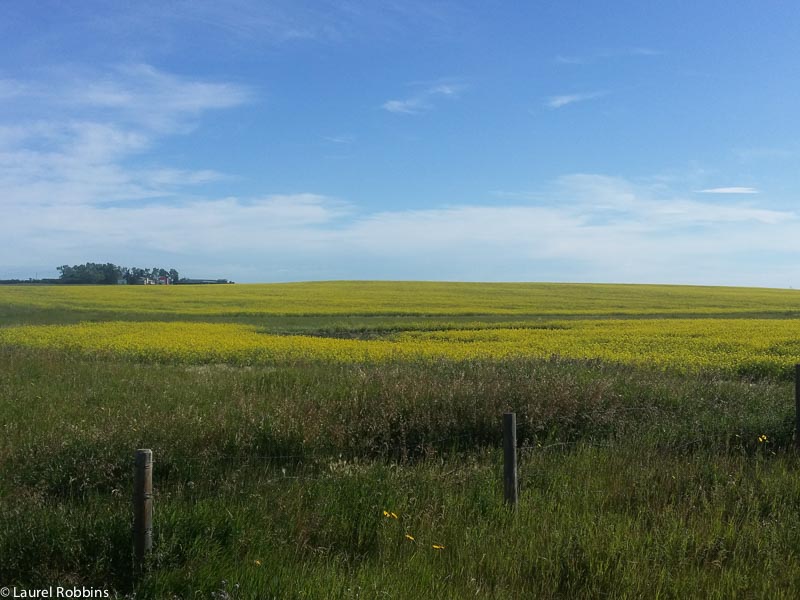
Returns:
(310, 465)
(316, 465)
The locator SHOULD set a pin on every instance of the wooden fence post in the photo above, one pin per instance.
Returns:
(510, 483)
(143, 506)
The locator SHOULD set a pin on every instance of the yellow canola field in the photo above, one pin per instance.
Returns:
(398, 298)
(745, 346)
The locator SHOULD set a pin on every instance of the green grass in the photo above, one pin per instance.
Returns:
(645, 484)
(271, 480)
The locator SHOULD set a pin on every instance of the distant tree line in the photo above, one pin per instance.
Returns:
(29, 280)
(109, 273)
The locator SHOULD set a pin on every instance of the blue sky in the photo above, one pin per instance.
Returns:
(477, 141)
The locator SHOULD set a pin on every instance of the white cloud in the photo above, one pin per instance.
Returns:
(10, 88)
(252, 24)
(591, 227)
(729, 190)
(697, 212)
(423, 100)
(765, 153)
(587, 59)
(70, 193)
(82, 163)
(573, 60)
(565, 99)
(655, 205)
(340, 139)
(79, 154)
(643, 51)
(516, 196)
(147, 96)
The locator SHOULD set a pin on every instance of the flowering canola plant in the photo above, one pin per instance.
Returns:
(754, 346)
(401, 298)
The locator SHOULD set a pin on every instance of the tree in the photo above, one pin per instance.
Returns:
(90, 273)
(109, 273)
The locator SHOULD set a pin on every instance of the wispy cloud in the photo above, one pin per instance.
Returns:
(88, 128)
(340, 139)
(423, 100)
(516, 196)
(136, 94)
(566, 99)
(150, 28)
(587, 59)
(573, 60)
(10, 88)
(729, 190)
(654, 204)
(152, 97)
(765, 153)
(642, 51)
(189, 228)
(580, 227)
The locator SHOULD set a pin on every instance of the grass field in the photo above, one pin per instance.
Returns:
(287, 420)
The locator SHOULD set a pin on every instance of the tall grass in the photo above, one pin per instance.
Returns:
(272, 481)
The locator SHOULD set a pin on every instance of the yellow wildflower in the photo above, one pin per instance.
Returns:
(410, 537)
(438, 547)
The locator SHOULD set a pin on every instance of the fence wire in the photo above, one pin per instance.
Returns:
(184, 473)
